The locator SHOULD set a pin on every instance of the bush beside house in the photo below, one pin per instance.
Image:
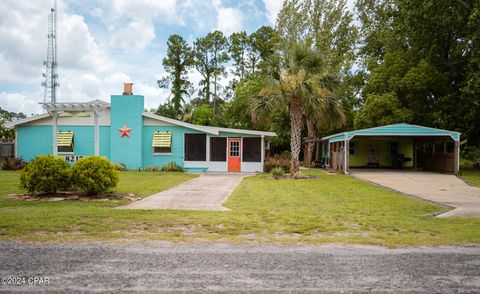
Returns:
(47, 174)
(278, 160)
(94, 175)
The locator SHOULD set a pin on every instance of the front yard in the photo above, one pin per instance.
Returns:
(471, 176)
(332, 208)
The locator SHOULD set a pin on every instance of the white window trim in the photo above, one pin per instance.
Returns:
(163, 154)
(66, 153)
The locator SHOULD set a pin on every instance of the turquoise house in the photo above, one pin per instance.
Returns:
(399, 146)
(124, 133)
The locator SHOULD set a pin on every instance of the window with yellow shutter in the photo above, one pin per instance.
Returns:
(162, 142)
(65, 142)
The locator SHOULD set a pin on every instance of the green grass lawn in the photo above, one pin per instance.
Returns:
(471, 176)
(332, 208)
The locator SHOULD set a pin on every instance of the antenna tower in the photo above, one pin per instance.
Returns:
(50, 75)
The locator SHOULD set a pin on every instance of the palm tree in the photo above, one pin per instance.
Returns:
(327, 117)
(296, 82)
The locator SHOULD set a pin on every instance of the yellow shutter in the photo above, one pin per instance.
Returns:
(162, 139)
(64, 139)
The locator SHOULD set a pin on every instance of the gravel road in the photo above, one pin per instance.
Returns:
(159, 266)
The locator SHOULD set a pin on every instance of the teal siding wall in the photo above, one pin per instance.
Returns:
(83, 140)
(33, 141)
(105, 141)
(126, 110)
(149, 159)
(37, 140)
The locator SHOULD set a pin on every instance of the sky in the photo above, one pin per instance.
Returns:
(104, 43)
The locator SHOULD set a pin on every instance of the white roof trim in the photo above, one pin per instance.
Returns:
(12, 124)
(179, 123)
(241, 131)
(210, 130)
(207, 129)
(75, 106)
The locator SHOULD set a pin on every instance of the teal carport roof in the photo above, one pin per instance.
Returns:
(406, 130)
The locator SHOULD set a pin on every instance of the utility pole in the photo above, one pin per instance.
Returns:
(51, 77)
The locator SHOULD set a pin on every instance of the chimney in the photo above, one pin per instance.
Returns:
(127, 88)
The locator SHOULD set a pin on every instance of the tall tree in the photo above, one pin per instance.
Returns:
(211, 54)
(295, 83)
(327, 26)
(7, 116)
(177, 63)
(263, 43)
(249, 52)
(422, 56)
(239, 47)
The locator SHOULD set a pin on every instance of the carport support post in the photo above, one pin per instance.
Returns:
(456, 160)
(347, 157)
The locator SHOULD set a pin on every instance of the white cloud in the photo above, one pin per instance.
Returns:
(135, 37)
(21, 102)
(77, 47)
(139, 32)
(90, 64)
(229, 20)
(272, 7)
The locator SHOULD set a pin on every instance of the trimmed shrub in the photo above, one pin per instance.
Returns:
(45, 174)
(172, 167)
(152, 168)
(120, 166)
(94, 175)
(277, 172)
(13, 164)
(278, 160)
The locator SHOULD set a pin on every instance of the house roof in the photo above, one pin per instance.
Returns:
(402, 129)
(208, 129)
(12, 124)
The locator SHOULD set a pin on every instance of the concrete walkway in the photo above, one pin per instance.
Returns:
(207, 192)
(444, 189)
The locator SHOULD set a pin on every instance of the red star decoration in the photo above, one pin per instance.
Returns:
(124, 132)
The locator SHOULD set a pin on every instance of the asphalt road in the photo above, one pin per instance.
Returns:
(157, 266)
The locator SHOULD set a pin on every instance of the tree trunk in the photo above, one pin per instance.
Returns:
(308, 156)
(296, 136)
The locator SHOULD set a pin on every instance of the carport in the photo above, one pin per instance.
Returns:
(398, 146)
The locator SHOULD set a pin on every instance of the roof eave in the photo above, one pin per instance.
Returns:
(13, 124)
(180, 123)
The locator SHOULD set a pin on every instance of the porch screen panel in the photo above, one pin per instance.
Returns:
(252, 149)
(218, 149)
(195, 147)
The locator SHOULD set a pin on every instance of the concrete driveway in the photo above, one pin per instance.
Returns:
(443, 189)
(207, 192)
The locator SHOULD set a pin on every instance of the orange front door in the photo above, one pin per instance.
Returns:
(234, 151)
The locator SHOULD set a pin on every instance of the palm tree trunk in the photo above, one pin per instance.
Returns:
(307, 160)
(296, 136)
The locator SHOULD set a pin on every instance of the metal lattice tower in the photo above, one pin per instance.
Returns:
(50, 75)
